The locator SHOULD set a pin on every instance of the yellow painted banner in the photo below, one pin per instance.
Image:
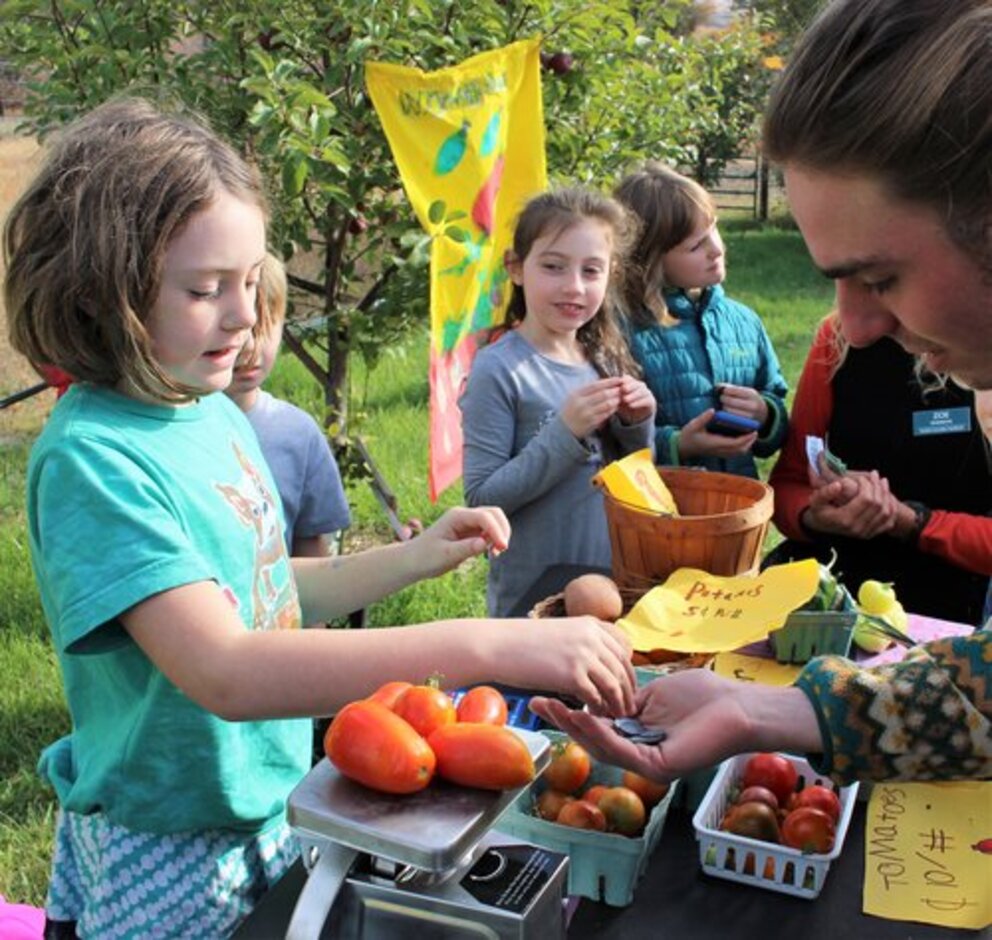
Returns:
(928, 853)
(469, 144)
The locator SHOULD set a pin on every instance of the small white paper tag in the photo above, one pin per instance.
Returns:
(814, 447)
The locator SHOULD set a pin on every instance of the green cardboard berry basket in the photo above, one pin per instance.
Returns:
(809, 633)
(602, 866)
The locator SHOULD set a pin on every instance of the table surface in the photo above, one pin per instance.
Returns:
(674, 898)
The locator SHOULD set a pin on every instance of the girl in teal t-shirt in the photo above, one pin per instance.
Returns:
(156, 539)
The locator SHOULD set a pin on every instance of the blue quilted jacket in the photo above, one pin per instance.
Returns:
(716, 340)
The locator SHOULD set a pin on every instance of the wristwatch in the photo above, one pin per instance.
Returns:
(922, 513)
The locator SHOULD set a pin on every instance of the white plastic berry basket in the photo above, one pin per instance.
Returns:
(764, 864)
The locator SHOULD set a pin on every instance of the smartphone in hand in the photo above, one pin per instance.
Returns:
(731, 425)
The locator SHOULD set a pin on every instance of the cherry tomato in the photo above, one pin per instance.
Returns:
(483, 704)
(371, 745)
(772, 771)
(753, 820)
(593, 794)
(549, 804)
(624, 811)
(388, 694)
(649, 791)
(582, 815)
(822, 798)
(758, 795)
(809, 830)
(485, 756)
(569, 768)
(426, 707)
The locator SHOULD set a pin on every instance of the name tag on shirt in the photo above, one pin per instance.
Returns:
(941, 421)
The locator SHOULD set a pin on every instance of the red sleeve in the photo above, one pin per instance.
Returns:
(960, 538)
(811, 411)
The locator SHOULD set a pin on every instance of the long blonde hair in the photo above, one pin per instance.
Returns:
(670, 207)
(86, 243)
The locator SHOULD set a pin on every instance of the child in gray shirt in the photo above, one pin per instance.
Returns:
(554, 399)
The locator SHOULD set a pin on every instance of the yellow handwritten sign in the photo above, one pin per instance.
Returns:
(928, 853)
(635, 480)
(696, 612)
(755, 669)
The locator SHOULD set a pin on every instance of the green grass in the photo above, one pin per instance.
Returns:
(768, 270)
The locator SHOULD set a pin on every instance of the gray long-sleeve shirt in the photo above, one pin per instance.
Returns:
(519, 455)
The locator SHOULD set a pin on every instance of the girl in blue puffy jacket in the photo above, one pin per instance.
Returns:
(706, 358)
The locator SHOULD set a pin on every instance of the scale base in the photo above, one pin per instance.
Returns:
(511, 891)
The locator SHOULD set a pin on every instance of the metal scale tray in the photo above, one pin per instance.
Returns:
(433, 830)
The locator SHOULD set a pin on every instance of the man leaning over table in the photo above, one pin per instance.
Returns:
(882, 124)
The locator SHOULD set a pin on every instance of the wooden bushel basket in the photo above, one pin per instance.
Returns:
(721, 529)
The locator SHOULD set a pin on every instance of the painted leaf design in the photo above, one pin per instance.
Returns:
(485, 202)
(450, 153)
(490, 137)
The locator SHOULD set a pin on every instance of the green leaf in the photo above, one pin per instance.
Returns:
(435, 211)
(294, 174)
(456, 234)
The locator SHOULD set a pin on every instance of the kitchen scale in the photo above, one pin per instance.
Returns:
(422, 865)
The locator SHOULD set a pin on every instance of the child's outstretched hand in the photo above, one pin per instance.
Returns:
(578, 656)
(588, 407)
(637, 404)
(457, 536)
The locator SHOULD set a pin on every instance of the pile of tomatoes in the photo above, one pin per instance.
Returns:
(770, 808)
(568, 801)
(402, 735)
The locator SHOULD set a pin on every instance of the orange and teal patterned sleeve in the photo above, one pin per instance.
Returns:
(928, 717)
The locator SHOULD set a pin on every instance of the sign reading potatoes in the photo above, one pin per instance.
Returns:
(697, 612)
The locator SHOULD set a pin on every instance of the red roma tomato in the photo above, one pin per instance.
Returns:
(582, 815)
(624, 811)
(371, 745)
(483, 704)
(426, 707)
(569, 768)
(388, 694)
(648, 790)
(772, 771)
(486, 756)
(758, 795)
(822, 798)
(809, 830)
(549, 804)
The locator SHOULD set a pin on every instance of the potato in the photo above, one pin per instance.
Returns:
(593, 595)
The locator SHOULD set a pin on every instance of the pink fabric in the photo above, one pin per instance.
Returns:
(21, 921)
(921, 629)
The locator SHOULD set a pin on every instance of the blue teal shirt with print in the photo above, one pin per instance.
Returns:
(126, 500)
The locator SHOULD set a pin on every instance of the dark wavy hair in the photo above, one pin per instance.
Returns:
(553, 212)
